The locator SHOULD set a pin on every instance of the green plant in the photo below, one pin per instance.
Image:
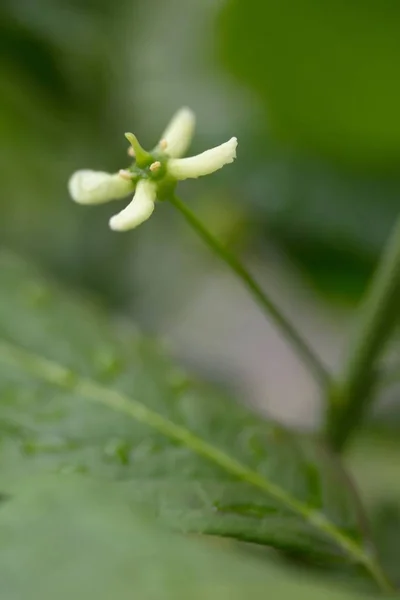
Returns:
(81, 396)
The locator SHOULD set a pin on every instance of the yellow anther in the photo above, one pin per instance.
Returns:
(155, 166)
(125, 174)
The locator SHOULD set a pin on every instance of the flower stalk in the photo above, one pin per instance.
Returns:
(154, 176)
(271, 310)
(353, 392)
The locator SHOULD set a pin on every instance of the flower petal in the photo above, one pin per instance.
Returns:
(96, 187)
(139, 210)
(205, 163)
(179, 132)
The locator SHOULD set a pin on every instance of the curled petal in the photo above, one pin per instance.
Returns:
(139, 210)
(179, 132)
(96, 187)
(205, 163)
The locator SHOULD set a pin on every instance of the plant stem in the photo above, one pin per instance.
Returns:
(307, 355)
(353, 392)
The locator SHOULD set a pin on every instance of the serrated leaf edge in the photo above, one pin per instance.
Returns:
(56, 374)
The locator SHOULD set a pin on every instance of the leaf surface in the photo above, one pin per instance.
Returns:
(76, 539)
(81, 395)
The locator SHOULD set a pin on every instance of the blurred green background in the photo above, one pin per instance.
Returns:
(310, 88)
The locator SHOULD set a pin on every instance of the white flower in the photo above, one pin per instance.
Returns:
(154, 174)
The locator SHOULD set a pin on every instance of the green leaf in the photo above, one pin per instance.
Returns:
(80, 395)
(324, 72)
(69, 539)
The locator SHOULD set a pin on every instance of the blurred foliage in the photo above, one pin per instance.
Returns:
(324, 76)
(77, 396)
(110, 550)
(325, 72)
(332, 223)
(59, 105)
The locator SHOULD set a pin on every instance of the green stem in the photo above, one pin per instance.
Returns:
(353, 392)
(304, 351)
